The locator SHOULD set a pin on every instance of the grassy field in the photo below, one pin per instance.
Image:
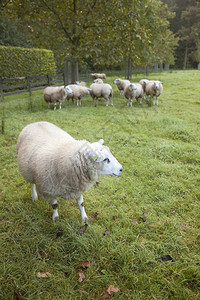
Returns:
(152, 211)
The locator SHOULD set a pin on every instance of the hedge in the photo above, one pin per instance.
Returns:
(20, 62)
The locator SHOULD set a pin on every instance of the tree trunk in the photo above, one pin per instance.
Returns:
(198, 66)
(185, 58)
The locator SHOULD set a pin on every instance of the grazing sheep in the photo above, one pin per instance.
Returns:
(133, 90)
(154, 89)
(144, 82)
(98, 75)
(101, 90)
(81, 83)
(78, 92)
(57, 165)
(98, 80)
(121, 84)
(56, 94)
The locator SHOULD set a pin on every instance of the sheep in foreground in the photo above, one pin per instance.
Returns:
(101, 90)
(57, 165)
(154, 89)
(53, 94)
(98, 80)
(98, 75)
(133, 90)
(121, 84)
(78, 92)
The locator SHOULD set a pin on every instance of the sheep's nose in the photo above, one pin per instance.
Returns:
(121, 169)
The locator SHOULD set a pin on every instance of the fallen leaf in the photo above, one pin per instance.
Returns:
(143, 217)
(166, 258)
(82, 229)
(81, 277)
(98, 182)
(17, 294)
(43, 274)
(183, 226)
(134, 221)
(84, 265)
(107, 232)
(109, 291)
(94, 216)
(60, 232)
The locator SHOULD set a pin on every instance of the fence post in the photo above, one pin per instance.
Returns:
(49, 79)
(29, 86)
(3, 110)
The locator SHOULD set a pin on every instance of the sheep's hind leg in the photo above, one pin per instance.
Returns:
(84, 217)
(54, 205)
(34, 192)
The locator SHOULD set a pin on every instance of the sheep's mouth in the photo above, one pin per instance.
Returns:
(115, 175)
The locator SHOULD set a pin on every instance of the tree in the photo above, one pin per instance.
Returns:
(99, 31)
(186, 26)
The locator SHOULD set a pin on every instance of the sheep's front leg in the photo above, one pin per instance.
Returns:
(153, 100)
(127, 102)
(54, 205)
(60, 104)
(34, 192)
(55, 106)
(131, 103)
(84, 217)
(156, 101)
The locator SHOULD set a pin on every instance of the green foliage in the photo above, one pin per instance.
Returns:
(151, 210)
(17, 61)
(99, 32)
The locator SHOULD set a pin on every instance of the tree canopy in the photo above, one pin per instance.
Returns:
(97, 32)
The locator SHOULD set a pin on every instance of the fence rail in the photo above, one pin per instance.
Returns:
(19, 85)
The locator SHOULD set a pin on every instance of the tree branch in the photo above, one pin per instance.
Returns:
(59, 19)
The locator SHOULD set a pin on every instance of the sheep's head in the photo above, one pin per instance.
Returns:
(107, 163)
(157, 84)
(116, 81)
(132, 87)
(68, 90)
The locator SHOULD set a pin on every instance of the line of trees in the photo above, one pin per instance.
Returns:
(96, 33)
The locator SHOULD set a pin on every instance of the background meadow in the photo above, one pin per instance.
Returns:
(152, 210)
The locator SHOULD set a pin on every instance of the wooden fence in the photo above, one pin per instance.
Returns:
(19, 85)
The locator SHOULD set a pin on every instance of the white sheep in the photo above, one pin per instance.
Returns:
(98, 80)
(57, 165)
(53, 94)
(121, 84)
(81, 83)
(133, 90)
(98, 75)
(144, 82)
(78, 92)
(101, 90)
(154, 89)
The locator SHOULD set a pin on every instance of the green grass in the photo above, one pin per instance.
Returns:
(159, 150)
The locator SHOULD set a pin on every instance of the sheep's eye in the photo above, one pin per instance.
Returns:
(107, 159)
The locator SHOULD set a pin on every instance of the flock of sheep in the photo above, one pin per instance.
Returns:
(98, 89)
(55, 163)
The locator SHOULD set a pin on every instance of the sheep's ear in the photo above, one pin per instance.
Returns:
(101, 141)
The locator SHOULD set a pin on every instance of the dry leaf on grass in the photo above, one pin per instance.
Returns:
(17, 295)
(134, 221)
(60, 232)
(81, 276)
(107, 232)
(84, 265)
(94, 216)
(109, 291)
(43, 275)
(82, 229)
